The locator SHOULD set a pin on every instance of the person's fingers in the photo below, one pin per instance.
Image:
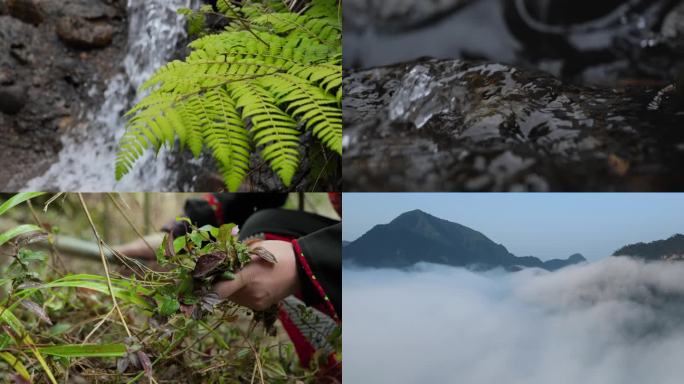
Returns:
(243, 296)
(226, 289)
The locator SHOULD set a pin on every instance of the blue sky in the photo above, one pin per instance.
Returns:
(549, 225)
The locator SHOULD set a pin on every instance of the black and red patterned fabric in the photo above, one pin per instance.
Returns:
(220, 208)
(317, 243)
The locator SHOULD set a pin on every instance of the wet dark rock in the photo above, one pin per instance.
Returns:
(471, 126)
(89, 9)
(51, 85)
(81, 33)
(21, 54)
(12, 99)
(27, 11)
(6, 77)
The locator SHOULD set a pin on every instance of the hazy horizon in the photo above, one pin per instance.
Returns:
(545, 225)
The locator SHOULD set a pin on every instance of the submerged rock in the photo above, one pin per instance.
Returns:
(493, 127)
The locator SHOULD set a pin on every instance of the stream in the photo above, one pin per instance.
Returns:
(86, 161)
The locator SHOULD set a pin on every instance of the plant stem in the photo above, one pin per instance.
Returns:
(130, 222)
(104, 263)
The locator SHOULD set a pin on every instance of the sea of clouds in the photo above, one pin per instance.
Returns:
(617, 321)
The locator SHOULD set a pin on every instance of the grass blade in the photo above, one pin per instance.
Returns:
(88, 350)
(123, 293)
(17, 231)
(18, 199)
(8, 317)
(16, 364)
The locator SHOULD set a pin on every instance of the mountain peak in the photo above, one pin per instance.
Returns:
(416, 236)
(415, 213)
(672, 247)
(577, 258)
(418, 221)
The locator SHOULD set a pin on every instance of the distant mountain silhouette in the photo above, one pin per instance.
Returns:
(670, 249)
(416, 236)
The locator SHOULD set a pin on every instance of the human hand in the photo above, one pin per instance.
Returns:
(261, 284)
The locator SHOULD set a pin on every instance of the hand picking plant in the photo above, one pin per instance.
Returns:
(143, 324)
(198, 260)
(258, 89)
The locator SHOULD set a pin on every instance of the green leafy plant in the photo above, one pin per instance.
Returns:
(197, 261)
(135, 323)
(270, 79)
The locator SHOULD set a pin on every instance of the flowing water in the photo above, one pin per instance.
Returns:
(86, 162)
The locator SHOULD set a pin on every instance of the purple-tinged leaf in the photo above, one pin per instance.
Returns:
(29, 284)
(208, 264)
(210, 300)
(187, 310)
(264, 254)
(133, 359)
(122, 364)
(18, 379)
(37, 310)
(169, 249)
(146, 363)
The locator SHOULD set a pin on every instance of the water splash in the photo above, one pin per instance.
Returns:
(421, 97)
(86, 162)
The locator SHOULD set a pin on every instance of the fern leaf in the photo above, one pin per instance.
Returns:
(273, 130)
(227, 137)
(270, 77)
(312, 105)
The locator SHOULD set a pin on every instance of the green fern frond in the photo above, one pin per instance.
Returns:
(259, 86)
(273, 130)
(312, 105)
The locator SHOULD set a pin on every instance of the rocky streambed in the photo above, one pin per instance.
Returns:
(600, 113)
(54, 55)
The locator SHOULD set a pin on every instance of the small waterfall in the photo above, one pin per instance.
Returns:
(86, 162)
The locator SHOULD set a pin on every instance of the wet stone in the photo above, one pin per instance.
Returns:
(27, 11)
(12, 99)
(81, 33)
(421, 96)
(504, 129)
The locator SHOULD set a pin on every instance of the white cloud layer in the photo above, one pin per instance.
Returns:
(615, 321)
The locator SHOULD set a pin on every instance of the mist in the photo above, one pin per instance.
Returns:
(618, 320)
